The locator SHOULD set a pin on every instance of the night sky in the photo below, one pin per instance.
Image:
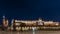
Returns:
(30, 9)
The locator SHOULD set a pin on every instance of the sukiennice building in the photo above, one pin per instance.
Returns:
(29, 24)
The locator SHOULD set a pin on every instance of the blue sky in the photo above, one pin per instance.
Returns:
(30, 9)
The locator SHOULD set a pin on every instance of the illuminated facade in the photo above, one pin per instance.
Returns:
(36, 22)
(5, 23)
(28, 24)
(51, 23)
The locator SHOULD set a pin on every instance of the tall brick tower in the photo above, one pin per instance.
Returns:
(5, 23)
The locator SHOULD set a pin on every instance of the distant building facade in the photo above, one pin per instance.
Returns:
(27, 24)
(32, 23)
(5, 23)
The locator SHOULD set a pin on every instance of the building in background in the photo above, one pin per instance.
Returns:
(50, 23)
(28, 24)
(5, 23)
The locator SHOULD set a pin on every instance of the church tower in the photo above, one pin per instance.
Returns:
(5, 23)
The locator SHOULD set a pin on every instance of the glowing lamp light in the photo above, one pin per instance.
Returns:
(17, 24)
(57, 24)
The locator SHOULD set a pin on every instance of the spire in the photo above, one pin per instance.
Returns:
(12, 21)
(3, 17)
(40, 19)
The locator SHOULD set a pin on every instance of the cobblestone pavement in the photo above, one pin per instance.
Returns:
(30, 32)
